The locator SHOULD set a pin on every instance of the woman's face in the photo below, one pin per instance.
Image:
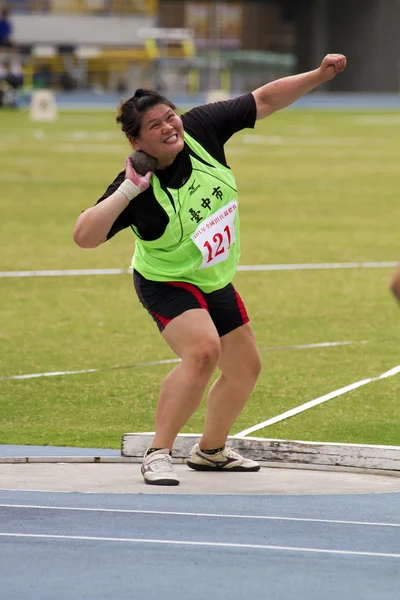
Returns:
(161, 134)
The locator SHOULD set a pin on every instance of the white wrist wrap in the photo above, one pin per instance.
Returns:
(129, 189)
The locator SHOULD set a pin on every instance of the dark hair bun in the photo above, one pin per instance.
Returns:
(140, 93)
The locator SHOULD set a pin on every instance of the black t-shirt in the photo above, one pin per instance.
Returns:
(211, 125)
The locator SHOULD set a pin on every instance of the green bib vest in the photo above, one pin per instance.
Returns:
(201, 243)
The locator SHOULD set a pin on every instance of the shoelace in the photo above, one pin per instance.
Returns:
(162, 463)
(229, 453)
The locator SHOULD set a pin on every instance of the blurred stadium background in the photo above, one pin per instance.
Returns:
(98, 50)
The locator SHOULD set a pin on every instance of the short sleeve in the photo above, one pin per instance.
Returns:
(226, 118)
(214, 124)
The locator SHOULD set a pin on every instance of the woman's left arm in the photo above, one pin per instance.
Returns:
(283, 92)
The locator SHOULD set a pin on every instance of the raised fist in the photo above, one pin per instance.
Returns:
(331, 65)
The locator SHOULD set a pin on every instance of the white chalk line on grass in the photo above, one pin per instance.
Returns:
(193, 543)
(318, 266)
(320, 400)
(55, 373)
(152, 363)
(64, 272)
(286, 140)
(282, 267)
(318, 345)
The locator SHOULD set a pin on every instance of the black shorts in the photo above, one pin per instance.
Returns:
(167, 300)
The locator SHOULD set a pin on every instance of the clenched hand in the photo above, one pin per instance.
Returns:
(331, 65)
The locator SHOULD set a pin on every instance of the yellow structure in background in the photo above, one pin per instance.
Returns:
(151, 48)
(109, 66)
(168, 42)
(102, 65)
(100, 7)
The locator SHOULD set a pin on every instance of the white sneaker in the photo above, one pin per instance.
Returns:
(157, 468)
(226, 460)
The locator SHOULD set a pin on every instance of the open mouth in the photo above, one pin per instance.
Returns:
(171, 139)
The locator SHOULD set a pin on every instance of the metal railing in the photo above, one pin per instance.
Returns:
(99, 7)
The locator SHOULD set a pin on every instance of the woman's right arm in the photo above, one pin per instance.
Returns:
(93, 225)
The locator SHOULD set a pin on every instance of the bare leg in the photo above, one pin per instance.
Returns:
(240, 366)
(195, 340)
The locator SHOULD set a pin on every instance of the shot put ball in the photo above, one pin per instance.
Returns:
(143, 163)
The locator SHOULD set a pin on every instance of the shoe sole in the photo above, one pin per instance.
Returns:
(197, 467)
(162, 482)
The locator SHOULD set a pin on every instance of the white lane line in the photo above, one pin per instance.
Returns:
(278, 267)
(317, 266)
(102, 136)
(64, 272)
(89, 148)
(152, 363)
(316, 345)
(280, 140)
(320, 400)
(201, 544)
(207, 515)
(50, 374)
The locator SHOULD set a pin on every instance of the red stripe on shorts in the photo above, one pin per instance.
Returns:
(193, 290)
(242, 310)
(164, 322)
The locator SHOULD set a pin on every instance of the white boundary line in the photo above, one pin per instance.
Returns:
(207, 515)
(56, 373)
(320, 400)
(316, 345)
(201, 544)
(49, 374)
(166, 361)
(317, 266)
(282, 267)
(64, 273)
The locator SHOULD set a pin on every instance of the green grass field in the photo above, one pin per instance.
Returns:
(315, 187)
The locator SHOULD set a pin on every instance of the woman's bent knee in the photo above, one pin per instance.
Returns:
(246, 371)
(206, 354)
(255, 365)
(252, 367)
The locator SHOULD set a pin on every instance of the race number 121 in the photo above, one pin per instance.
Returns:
(221, 242)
